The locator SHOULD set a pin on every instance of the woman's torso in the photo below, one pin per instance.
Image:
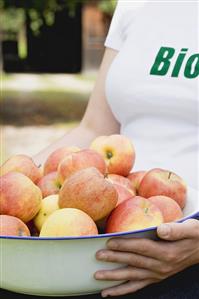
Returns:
(153, 91)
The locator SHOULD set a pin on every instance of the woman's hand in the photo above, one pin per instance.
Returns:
(146, 261)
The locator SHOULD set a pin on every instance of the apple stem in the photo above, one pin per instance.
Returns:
(106, 175)
(169, 175)
(109, 155)
(58, 185)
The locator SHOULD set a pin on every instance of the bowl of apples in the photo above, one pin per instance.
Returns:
(54, 218)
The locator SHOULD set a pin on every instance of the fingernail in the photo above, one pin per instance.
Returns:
(100, 255)
(164, 230)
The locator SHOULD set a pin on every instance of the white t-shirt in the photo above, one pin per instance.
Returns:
(152, 85)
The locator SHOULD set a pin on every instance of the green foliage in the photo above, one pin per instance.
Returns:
(107, 6)
(42, 12)
(11, 20)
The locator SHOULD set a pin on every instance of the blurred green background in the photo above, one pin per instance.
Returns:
(50, 53)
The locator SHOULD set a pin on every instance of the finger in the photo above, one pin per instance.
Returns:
(144, 247)
(126, 288)
(131, 259)
(179, 231)
(126, 273)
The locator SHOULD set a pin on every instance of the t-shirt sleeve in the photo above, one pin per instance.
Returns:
(115, 37)
(124, 14)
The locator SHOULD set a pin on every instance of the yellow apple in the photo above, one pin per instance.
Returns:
(48, 205)
(68, 222)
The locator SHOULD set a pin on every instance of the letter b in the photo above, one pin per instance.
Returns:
(162, 61)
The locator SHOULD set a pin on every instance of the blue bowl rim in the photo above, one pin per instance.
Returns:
(100, 236)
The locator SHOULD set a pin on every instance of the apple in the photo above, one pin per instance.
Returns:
(171, 211)
(19, 196)
(118, 152)
(48, 205)
(80, 160)
(49, 184)
(123, 193)
(68, 222)
(90, 192)
(134, 214)
(135, 178)
(12, 226)
(123, 187)
(55, 158)
(119, 179)
(159, 181)
(22, 164)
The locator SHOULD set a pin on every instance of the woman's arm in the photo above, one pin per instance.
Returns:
(98, 118)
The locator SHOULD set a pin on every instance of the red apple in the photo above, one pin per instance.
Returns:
(56, 157)
(163, 182)
(123, 193)
(117, 151)
(123, 187)
(135, 178)
(80, 160)
(134, 214)
(119, 179)
(49, 184)
(171, 211)
(22, 164)
(90, 192)
(12, 226)
(19, 196)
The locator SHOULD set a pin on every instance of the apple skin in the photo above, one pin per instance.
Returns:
(13, 226)
(159, 181)
(22, 164)
(49, 184)
(48, 205)
(90, 192)
(123, 194)
(117, 151)
(135, 178)
(68, 222)
(170, 209)
(123, 187)
(119, 179)
(19, 196)
(80, 160)
(56, 157)
(134, 214)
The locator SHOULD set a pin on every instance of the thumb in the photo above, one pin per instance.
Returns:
(178, 231)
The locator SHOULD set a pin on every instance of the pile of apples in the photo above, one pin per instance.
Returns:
(85, 192)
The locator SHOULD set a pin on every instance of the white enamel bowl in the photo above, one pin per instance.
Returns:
(64, 266)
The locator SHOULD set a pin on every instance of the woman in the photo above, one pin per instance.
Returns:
(147, 90)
